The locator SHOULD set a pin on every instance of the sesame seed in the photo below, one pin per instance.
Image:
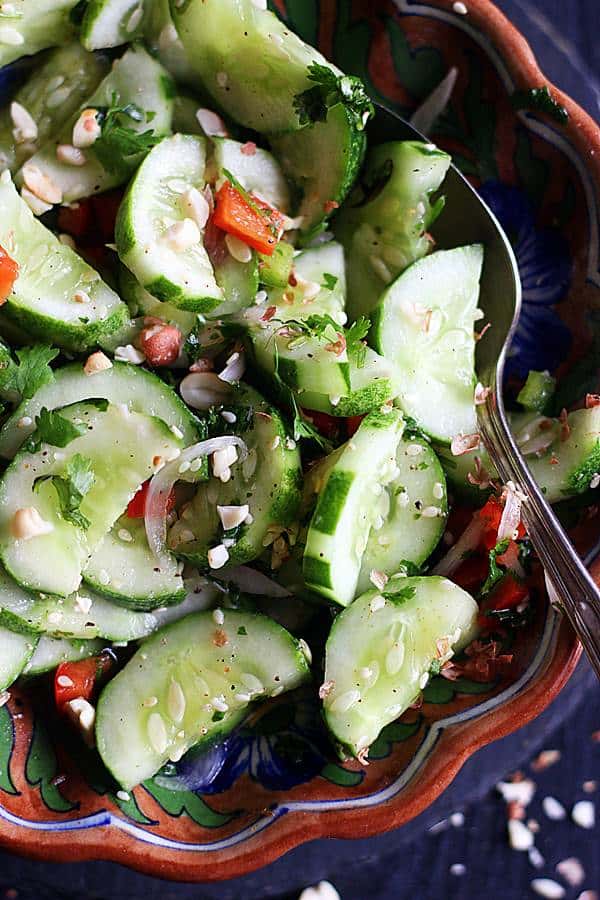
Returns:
(177, 432)
(394, 659)
(345, 701)
(222, 79)
(595, 481)
(218, 617)
(123, 795)
(219, 703)
(242, 698)
(65, 681)
(460, 8)
(157, 733)
(238, 249)
(438, 490)
(423, 680)
(229, 417)
(431, 512)
(176, 702)
(306, 651)
(25, 422)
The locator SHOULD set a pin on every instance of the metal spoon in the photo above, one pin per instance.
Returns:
(466, 219)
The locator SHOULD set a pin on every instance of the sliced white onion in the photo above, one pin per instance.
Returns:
(467, 543)
(251, 582)
(530, 429)
(202, 390)
(538, 443)
(424, 117)
(511, 514)
(235, 368)
(159, 491)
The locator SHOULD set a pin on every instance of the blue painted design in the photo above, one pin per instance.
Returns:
(283, 747)
(542, 340)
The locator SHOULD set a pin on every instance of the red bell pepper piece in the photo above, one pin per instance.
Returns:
(136, 508)
(78, 679)
(507, 594)
(327, 425)
(255, 223)
(471, 573)
(9, 271)
(353, 424)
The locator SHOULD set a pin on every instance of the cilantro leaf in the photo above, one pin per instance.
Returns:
(119, 142)
(330, 89)
(304, 429)
(496, 572)
(401, 596)
(329, 281)
(52, 428)
(23, 379)
(72, 488)
(355, 340)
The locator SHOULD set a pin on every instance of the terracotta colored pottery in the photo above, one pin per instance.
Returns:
(275, 784)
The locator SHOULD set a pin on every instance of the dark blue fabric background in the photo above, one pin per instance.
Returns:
(414, 864)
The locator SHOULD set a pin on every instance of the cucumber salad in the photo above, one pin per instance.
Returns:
(237, 374)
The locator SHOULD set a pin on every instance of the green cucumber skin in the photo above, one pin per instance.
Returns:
(393, 225)
(220, 35)
(51, 652)
(417, 612)
(135, 77)
(92, 40)
(17, 650)
(122, 383)
(77, 339)
(336, 140)
(280, 506)
(82, 72)
(45, 23)
(271, 654)
(578, 458)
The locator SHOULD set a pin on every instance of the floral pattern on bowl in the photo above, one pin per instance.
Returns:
(274, 783)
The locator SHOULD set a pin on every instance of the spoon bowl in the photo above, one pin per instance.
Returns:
(466, 219)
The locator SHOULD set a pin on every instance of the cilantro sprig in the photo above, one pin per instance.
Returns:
(21, 380)
(329, 89)
(71, 488)
(119, 143)
(52, 428)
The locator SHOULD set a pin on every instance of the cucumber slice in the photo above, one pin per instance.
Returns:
(124, 568)
(269, 482)
(414, 510)
(16, 651)
(380, 651)
(256, 170)
(323, 187)
(165, 43)
(138, 390)
(154, 203)
(124, 449)
(571, 466)
(384, 225)
(197, 699)
(135, 78)
(51, 94)
(247, 59)
(458, 469)
(35, 25)
(372, 383)
(51, 276)
(142, 303)
(424, 326)
(347, 509)
(304, 363)
(537, 391)
(51, 652)
(110, 23)
(76, 618)
(275, 270)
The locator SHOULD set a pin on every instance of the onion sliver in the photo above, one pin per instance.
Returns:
(159, 491)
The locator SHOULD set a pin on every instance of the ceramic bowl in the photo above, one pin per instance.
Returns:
(274, 784)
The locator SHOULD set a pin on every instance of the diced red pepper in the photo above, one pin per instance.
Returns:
(136, 508)
(105, 208)
(353, 424)
(490, 515)
(161, 344)
(235, 215)
(471, 573)
(508, 594)
(9, 271)
(76, 220)
(327, 425)
(79, 679)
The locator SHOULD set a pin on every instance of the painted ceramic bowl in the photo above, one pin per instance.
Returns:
(274, 784)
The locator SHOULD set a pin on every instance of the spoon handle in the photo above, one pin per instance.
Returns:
(570, 584)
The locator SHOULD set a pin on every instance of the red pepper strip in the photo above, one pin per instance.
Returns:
(327, 425)
(471, 573)
(92, 221)
(9, 271)
(105, 208)
(136, 508)
(490, 515)
(76, 220)
(78, 679)
(353, 424)
(507, 594)
(237, 217)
